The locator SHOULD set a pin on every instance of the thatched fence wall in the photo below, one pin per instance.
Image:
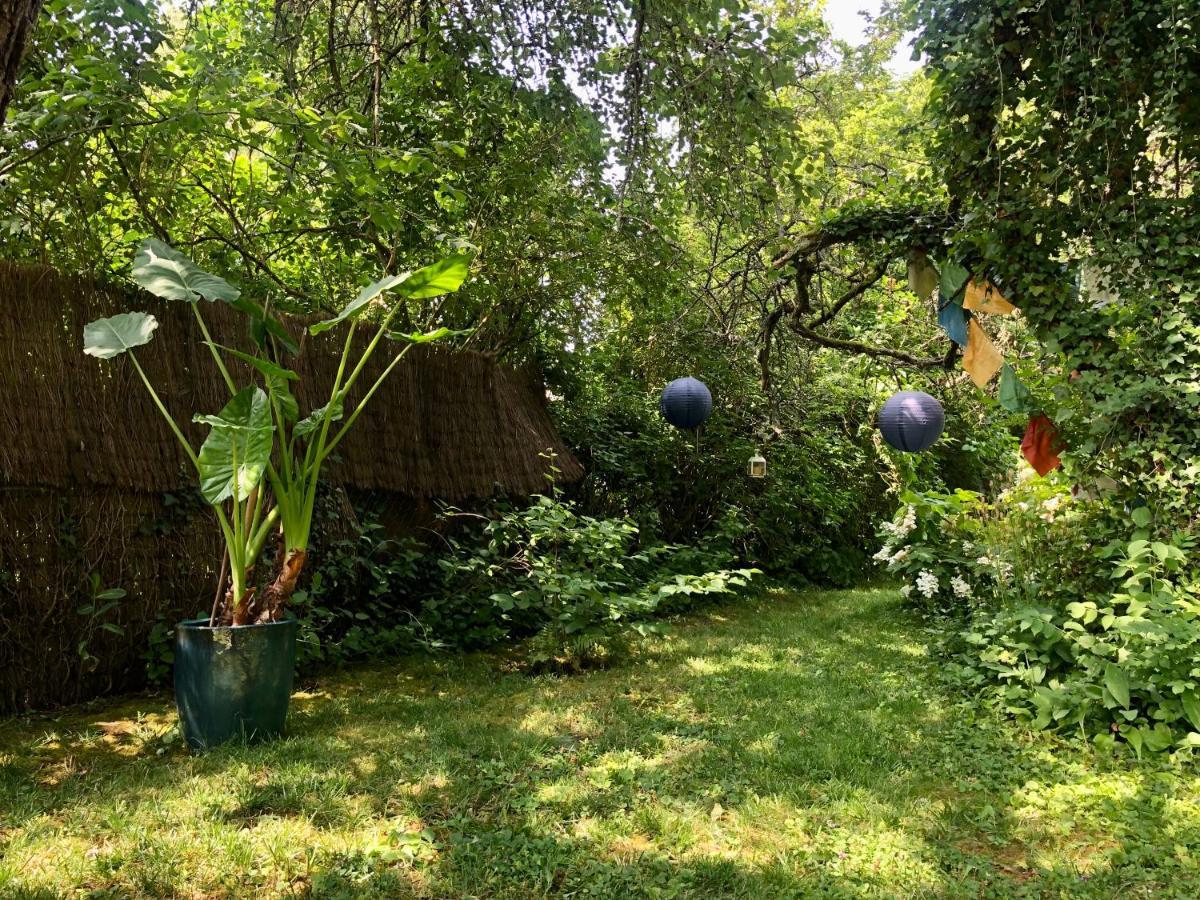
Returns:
(93, 485)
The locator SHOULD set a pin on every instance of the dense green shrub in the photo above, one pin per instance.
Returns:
(359, 601)
(1068, 625)
(579, 585)
(576, 585)
(935, 545)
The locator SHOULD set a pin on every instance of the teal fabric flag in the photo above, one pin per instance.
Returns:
(1013, 395)
(953, 320)
(952, 284)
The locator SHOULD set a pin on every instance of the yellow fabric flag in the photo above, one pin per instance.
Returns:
(922, 277)
(986, 298)
(981, 360)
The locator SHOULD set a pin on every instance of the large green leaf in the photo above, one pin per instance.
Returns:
(265, 366)
(275, 376)
(439, 278)
(238, 448)
(106, 338)
(418, 337)
(1191, 708)
(442, 277)
(262, 324)
(354, 308)
(312, 421)
(167, 273)
(1117, 683)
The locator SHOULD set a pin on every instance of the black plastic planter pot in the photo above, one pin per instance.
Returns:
(233, 682)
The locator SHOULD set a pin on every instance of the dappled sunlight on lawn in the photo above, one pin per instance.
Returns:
(800, 745)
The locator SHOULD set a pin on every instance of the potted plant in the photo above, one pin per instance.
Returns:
(258, 468)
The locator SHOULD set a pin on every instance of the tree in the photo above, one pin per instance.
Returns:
(17, 20)
(1068, 136)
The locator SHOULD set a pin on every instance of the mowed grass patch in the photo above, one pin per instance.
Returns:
(792, 745)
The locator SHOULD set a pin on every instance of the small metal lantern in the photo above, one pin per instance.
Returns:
(758, 466)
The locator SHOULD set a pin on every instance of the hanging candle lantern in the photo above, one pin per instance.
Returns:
(685, 403)
(758, 466)
(911, 421)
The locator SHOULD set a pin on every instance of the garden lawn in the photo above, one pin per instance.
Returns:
(798, 744)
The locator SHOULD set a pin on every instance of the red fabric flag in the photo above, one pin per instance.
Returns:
(1041, 445)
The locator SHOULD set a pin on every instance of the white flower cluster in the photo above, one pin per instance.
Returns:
(1003, 569)
(896, 533)
(901, 530)
(1049, 507)
(927, 584)
(960, 587)
(885, 555)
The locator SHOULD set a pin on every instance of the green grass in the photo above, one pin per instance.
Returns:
(796, 745)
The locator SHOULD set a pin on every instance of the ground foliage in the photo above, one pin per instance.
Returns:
(798, 746)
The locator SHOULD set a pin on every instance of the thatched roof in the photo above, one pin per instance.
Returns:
(446, 424)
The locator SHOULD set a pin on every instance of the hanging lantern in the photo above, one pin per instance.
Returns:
(685, 403)
(758, 466)
(911, 421)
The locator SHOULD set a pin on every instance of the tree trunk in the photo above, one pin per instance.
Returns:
(17, 19)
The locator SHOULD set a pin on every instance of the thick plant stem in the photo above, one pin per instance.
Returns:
(280, 591)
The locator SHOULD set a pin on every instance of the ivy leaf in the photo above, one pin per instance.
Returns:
(106, 338)
(167, 273)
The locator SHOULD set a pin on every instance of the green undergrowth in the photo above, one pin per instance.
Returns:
(798, 744)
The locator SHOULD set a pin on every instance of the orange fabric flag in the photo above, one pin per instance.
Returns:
(981, 359)
(1041, 445)
(986, 298)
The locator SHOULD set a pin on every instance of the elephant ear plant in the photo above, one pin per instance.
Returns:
(259, 435)
(234, 456)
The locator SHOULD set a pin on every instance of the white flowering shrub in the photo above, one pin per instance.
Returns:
(936, 546)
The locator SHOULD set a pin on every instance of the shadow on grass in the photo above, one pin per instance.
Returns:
(793, 748)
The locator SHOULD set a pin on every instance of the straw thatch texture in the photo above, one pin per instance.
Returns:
(446, 424)
(93, 483)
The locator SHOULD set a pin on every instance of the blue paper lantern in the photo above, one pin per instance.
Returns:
(911, 421)
(685, 403)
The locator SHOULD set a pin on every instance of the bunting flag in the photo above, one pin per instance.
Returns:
(981, 359)
(953, 321)
(986, 298)
(922, 276)
(1013, 395)
(1041, 445)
